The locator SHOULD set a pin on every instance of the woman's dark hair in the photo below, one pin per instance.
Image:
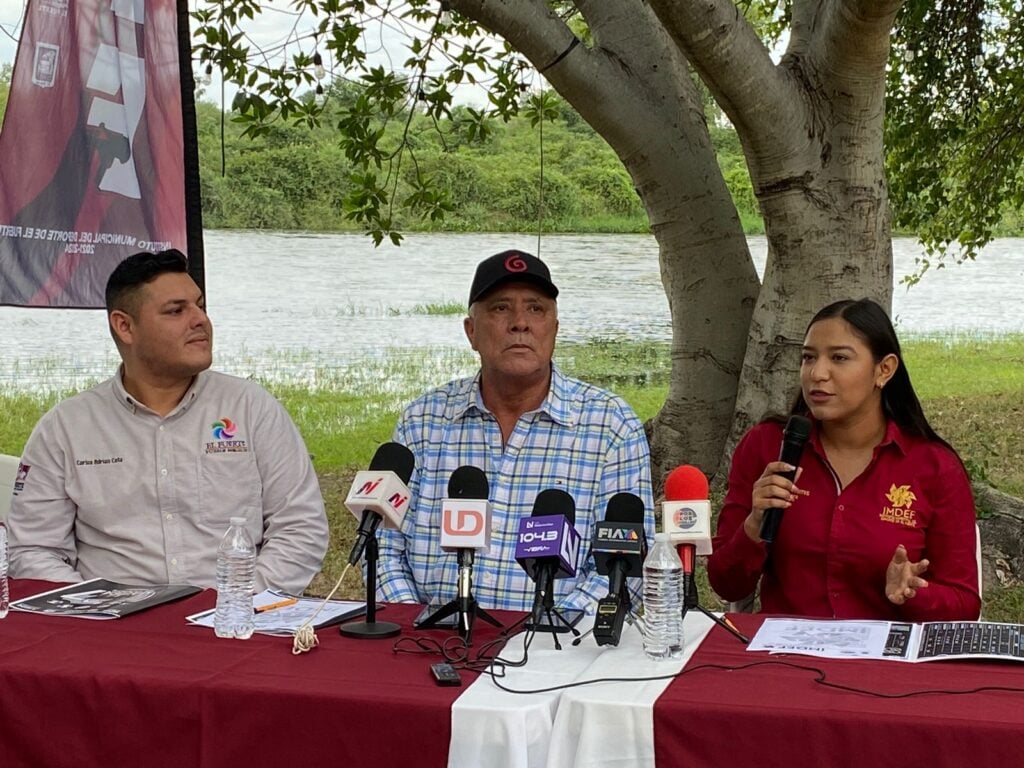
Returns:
(899, 401)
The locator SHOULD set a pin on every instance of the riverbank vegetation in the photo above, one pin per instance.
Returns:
(297, 178)
(972, 389)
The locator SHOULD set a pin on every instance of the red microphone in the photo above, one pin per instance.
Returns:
(686, 517)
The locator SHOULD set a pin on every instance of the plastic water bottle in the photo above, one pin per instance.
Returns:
(5, 594)
(236, 565)
(663, 601)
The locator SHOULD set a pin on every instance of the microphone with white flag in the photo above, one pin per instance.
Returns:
(686, 517)
(465, 528)
(380, 494)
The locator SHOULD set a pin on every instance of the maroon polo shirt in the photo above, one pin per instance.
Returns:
(830, 555)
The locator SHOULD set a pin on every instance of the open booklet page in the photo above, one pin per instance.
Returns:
(277, 613)
(102, 599)
(899, 641)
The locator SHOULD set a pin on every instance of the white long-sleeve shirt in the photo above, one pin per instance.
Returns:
(108, 488)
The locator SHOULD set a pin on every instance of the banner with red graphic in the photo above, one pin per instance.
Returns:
(91, 151)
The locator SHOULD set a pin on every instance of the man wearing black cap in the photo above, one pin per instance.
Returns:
(528, 427)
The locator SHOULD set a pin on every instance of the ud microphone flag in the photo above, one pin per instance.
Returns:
(92, 148)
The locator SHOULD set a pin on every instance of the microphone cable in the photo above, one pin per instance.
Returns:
(821, 678)
(305, 639)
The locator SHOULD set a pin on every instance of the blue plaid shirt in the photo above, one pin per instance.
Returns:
(583, 440)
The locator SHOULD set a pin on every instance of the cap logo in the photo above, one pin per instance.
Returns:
(515, 263)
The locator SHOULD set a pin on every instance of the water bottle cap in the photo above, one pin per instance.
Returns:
(239, 521)
(663, 536)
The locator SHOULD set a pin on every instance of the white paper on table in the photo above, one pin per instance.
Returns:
(816, 637)
(287, 620)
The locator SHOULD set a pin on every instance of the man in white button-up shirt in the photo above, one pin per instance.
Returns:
(135, 479)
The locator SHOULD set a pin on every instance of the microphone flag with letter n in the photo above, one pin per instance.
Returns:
(465, 528)
(794, 438)
(619, 547)
(548, 546)
(380, 494)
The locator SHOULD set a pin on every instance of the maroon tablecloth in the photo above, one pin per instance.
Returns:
(778, 716)
(150, 690)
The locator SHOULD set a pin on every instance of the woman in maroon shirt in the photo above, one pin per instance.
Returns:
(880, 522)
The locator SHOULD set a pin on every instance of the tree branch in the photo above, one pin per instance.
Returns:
(853, 41)
(724, 49)
(625, 77)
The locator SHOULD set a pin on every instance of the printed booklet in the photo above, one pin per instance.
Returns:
(899, 641)
(102, 599)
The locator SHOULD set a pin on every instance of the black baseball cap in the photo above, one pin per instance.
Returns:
(507, 267)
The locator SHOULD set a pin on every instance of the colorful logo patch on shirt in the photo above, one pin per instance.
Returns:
(224, 429)
(898, 510)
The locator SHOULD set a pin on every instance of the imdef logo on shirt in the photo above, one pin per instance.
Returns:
(224, 430)
(900, 513)
(19, 479)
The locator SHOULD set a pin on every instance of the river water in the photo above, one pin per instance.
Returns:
(280, 301)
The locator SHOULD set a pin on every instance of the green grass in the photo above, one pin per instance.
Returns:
(965, 366)
(440, 308)
(972, 389)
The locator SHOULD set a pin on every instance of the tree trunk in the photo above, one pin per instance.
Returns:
(811, 128)
(1002, 536)
(636, 90)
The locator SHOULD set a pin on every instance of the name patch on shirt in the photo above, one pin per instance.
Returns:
(93, 462)
(899, 511)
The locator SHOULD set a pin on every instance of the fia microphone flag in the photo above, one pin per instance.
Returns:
(686, 513)
(620, 536)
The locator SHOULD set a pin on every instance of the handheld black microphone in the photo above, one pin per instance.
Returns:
(619, 547)
(548, 545)
(380, 494)
(798, 429)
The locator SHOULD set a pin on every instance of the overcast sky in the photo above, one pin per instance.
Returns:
(385, 48)
(10, 15)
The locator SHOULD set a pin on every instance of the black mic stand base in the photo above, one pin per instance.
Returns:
(465, 618)
(534, 624)
(371, 629)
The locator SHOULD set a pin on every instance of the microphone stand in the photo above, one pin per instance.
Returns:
(371, 629)
(465, 604)
(548, 610)
(692, 600)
